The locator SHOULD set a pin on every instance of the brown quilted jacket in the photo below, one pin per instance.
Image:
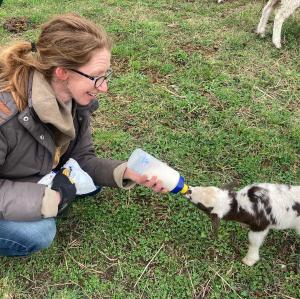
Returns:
(27, 150)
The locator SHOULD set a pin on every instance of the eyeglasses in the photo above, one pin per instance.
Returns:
(98, 80)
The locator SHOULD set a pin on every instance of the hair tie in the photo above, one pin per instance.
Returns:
(33, 47)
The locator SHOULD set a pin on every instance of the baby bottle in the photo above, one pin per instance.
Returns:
(145, 164)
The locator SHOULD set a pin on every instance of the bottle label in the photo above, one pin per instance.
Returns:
(144, 161)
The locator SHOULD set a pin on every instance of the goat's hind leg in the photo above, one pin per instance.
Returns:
(255, 241)
(261, 27)
(287, 8)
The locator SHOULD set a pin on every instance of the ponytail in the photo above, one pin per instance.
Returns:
(16, 62)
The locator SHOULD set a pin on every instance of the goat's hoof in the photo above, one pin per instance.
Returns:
(277, 45)
(260, 33)
(249, 261)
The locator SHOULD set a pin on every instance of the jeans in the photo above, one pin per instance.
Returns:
(18, 238)
(21, 238)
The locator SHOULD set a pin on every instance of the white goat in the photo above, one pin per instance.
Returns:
(286, 8)
(262, 207)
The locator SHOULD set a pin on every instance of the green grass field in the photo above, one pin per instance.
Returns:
(194, 86)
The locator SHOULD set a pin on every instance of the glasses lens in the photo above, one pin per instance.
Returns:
(100, 80)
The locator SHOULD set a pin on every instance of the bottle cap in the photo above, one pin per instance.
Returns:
(179, 186)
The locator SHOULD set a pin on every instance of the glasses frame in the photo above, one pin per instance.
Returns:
(106, 77)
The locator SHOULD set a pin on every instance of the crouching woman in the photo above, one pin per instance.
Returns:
(47, 92)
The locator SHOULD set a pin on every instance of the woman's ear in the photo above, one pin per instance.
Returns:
(61, 73)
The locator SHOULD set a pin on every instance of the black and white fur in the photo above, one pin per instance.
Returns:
(261, 206)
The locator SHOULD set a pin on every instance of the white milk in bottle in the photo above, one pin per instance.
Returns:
(145, 164)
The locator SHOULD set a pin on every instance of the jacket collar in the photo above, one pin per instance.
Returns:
(50, 110)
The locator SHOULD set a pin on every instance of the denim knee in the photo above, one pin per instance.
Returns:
(25, 238)
(43, 235)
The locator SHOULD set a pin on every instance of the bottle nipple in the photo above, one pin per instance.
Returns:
(184, 189)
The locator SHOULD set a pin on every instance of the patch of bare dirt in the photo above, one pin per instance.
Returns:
(16, 24)
(154, 75)
(205, 51)
(120, 65)
(214, 100)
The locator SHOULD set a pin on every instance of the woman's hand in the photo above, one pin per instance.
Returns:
(153, 183)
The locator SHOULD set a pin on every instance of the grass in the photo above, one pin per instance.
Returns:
(197, 88)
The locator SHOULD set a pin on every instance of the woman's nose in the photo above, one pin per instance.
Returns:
(103, 87)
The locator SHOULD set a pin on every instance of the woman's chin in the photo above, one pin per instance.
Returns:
(85, 101)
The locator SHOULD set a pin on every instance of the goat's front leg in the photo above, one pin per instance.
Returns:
(261, 27)
(282, 14)
(255, 241)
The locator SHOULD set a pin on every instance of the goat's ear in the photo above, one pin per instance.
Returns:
(215, 220)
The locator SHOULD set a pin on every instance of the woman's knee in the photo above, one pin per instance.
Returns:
(25, 238)
(43, 234)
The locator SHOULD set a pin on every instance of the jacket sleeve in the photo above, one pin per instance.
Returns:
(104, 172)
(19, 201)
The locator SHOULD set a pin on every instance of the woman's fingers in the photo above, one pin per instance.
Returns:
(153, 183)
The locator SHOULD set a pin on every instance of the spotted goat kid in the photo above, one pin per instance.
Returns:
(260, 206)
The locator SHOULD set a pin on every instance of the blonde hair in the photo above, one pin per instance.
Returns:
(65, 41)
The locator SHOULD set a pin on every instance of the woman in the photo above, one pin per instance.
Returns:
(48, 91)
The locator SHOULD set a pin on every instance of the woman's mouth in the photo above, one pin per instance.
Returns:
(92, 94)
